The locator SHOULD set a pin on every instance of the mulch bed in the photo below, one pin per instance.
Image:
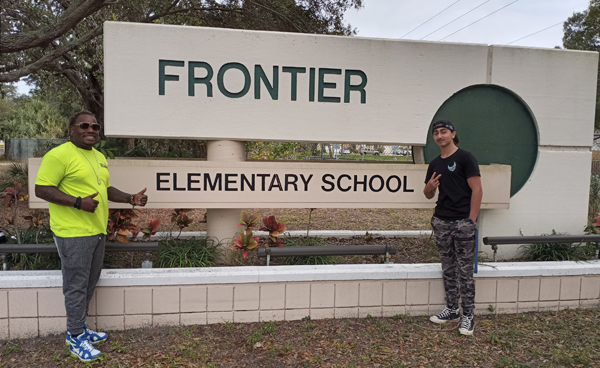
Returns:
(550, 339)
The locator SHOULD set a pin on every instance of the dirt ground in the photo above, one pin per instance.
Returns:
(364, 219)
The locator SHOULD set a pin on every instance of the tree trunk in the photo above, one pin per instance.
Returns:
(129, 143)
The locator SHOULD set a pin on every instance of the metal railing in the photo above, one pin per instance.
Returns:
(494, 241)
(328, 250)
(148, 247)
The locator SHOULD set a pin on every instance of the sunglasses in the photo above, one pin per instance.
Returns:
(85, 126)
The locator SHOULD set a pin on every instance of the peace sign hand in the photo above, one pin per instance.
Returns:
(433, 183)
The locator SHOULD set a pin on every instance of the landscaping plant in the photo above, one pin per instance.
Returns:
(557, 251)
(12, 195)
(246, 241)
(16, 172)
(189, 252)
(35, 219)
(275, 229)
(151, 229)
(180, 220)
(308, 260)
(120, 226)
(594, 202)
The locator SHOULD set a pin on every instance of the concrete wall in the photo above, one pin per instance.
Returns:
(560, 89)
(407, 82)
(31, 302)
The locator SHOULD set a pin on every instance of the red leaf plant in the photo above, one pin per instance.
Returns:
(248, 220)
(120, 225)
(151, 229)
(180, 219)
(12, 195)
(275, 229)
(36, 217)
(245, 242)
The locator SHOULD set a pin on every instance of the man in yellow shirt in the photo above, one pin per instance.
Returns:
(74, 178)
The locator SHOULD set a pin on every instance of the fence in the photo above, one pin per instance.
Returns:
(327, 152)
(595, 167)
(18, 149)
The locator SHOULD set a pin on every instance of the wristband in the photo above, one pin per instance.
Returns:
(77, 203)
(131, 200)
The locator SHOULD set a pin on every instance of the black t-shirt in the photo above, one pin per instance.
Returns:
(454, 200)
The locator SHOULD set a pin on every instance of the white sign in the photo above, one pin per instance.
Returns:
(203, 184)
(222, 84)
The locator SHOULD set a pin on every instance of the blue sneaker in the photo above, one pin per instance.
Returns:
(93, 336)
(82, 349)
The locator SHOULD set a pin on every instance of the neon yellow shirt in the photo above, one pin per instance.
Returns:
(74, 171)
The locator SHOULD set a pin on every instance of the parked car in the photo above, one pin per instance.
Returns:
(369, 151)
(345, 151)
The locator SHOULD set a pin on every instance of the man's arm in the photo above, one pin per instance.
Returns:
(475, 185)
(115, 195)
(56, 196)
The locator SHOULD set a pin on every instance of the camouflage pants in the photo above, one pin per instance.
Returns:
(456, 243)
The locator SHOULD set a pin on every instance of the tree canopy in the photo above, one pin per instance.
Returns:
(582, 32)
(59, 42)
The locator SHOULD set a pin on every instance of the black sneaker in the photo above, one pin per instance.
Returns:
(447, 315)
(467, 325)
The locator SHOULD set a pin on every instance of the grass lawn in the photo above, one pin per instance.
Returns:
(569, 338)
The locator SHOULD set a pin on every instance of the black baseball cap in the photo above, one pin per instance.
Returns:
(442, 124)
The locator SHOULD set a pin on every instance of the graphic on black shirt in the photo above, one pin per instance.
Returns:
(454, 199)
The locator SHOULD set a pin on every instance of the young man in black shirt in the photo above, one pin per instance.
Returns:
(456, 174)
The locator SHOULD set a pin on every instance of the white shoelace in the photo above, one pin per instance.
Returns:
(446, 313)
(466, 322)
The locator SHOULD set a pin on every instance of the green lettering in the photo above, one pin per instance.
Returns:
(293, 70)
(311, 85)
(273, 89)
(358, 87)
(192, 80)
(162, 77)
(323, 84)
(221, 85)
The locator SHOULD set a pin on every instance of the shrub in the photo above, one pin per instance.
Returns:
(16, 172)
(557, 251)
(33, 261)
(189, 252)
(33, 118)
(594, 202)
(309, 260)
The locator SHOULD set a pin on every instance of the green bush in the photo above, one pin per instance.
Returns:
(594, 203)
(557, 251)
(33, 118)
(310, 260)
(16, 172)
(33, 261)
(189, 252)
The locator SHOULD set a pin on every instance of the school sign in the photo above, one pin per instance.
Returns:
(529, 110)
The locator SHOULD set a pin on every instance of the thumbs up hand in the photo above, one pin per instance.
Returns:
(140, 199)
(89, 204)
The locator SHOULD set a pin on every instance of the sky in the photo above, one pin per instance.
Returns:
(520, 18)
(513, 20)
